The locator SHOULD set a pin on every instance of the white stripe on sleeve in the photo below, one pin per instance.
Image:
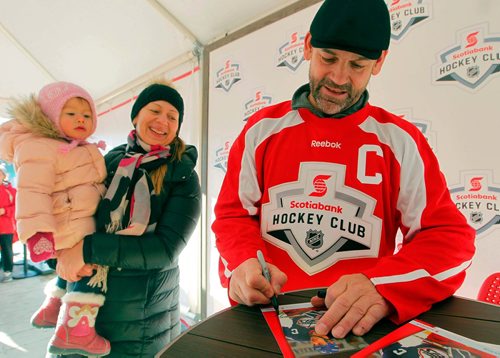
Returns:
(249, 191)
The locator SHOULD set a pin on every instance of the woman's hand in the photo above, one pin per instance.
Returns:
(70, 264)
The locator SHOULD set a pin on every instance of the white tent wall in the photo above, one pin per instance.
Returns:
(442, 74)
(115, 124)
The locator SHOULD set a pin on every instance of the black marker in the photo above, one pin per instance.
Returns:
(321, 293)
(267, 275)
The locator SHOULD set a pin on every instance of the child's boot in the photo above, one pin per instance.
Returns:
(75, 331)
(46, 315)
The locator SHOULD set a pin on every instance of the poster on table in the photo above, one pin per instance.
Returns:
(442, 74)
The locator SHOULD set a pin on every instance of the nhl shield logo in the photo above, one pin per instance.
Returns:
(473, 71)
(476, 217)
(397, 26)
(314, 239)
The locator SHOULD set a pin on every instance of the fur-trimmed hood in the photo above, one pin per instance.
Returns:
(28, 122)
(29, 113)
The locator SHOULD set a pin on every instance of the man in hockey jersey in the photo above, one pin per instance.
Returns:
(323, 183)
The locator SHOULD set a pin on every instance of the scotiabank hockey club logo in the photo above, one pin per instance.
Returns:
(406, 14)
(227, 76)
(291, 53)
(423, 125)
(258, 102)
(319, 220)
(474, 59)
(221, 156)
(478, 199)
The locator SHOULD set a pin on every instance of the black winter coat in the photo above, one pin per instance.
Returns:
(141, 312)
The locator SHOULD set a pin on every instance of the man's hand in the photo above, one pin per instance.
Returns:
(70, 264)
(248, 286)
(353, 304)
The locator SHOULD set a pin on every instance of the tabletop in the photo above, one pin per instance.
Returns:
(242, 331)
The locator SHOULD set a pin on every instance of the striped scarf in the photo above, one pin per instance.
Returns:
(127, 207)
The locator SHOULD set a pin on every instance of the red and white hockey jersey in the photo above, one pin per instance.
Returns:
(325, 197)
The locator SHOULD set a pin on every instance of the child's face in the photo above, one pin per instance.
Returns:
(76, 119)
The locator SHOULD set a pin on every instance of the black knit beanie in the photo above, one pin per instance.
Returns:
(359, 26)
(158, 92)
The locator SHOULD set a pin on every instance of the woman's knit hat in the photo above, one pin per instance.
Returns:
(54, 96)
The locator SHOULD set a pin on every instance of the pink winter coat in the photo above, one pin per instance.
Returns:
(56, 192)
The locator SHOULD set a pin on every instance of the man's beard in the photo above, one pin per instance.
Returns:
(332, 105)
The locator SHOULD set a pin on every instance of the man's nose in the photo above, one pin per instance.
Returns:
(339, 74)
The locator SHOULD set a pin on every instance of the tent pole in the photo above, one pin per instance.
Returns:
(170, 65)
(26, 52)
(173, 20)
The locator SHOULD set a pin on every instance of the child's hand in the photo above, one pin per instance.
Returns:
(41, 246)
(86, 270)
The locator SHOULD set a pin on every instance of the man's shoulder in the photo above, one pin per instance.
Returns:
(277, 110)
(385, 116)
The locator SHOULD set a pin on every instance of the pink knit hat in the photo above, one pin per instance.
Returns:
(54, 96)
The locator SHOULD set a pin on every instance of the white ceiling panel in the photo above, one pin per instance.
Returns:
(106, 45)
(18, 72)
(211, 19)
(100, 44)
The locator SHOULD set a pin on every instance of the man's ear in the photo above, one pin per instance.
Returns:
(379, 62)
(307, 47)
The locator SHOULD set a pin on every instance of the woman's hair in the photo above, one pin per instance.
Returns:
(158, 174)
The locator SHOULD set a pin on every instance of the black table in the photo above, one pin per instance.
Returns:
(242, 331)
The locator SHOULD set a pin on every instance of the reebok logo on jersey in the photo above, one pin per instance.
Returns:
(325, 144)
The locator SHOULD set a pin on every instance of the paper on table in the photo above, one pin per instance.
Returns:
(421, 339)
(295, 334)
